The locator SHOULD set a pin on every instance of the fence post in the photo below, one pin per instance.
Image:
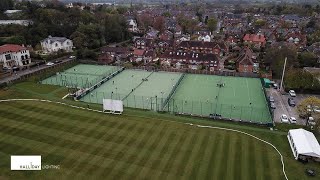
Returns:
(201, 106)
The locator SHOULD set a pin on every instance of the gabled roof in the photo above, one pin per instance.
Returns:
(54, 39)
(305, 142)
(245, 57)
(254, 38)
(139, 52)
(189, 44)
(11, 48)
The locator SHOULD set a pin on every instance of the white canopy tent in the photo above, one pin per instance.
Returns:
(303, 143)
(112, 106)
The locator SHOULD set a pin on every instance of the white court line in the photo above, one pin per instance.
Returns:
(65, 96)
(200, 126)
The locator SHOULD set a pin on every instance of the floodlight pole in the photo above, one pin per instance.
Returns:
(284, 69)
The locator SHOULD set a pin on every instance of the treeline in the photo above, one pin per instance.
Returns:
(301, 81)
(5, 5)
(88, 29)
(299, 9)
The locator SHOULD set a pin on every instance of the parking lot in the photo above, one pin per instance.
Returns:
(282, 106)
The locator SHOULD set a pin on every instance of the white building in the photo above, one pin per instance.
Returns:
(133, 26)
(10, 12)
(303, 144)
(18, 22)
(54, 44)
(205, 38)
(14, 55)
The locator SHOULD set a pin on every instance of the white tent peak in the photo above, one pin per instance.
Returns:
(304, 143)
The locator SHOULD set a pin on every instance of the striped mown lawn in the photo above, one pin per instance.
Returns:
(94, 145)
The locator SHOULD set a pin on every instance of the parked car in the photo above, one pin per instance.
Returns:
(316, 109)
(275, 86)
(272, 105)
(311, 121)
(72, 57)
(271, 99)
(292, 93)
(293, 120)
(50, 64)
(57, 61)
(309, 109)
(284, 118)
(291, 102)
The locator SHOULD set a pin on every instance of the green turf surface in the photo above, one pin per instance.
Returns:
(151, 94)
(80, 76)
(92, 145)
(200, 95)
(118, 87)
(89, 145)
(135, 92)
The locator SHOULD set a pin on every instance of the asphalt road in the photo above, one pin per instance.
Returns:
(28, 71)
(282, 106)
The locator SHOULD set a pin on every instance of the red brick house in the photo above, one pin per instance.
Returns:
(256, 40)
(218, 48)
(190, 60)
(245, 63)
(110, 54)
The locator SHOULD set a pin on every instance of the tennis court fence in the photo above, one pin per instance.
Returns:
(193, 71)
(251, 114)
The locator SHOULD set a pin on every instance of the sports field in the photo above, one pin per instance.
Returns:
(118, 87)
(90, 145)
(137, 88)
(81, 76)
(238, 98)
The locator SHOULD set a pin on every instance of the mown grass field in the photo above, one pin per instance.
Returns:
(87, 144)
(135, 145)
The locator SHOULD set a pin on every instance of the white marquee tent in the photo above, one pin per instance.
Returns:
(112, 106)
(303, 143)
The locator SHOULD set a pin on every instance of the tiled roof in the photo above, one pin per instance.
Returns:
(11, 48)
(254, 38)
(190, 44)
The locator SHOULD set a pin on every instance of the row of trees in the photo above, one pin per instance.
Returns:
(87, 30)
(300, 80)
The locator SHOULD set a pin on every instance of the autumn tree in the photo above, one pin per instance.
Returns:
(212, 24)
(276, 55)
(159, 23)
(309, 107)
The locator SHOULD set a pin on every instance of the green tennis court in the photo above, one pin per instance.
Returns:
(151, 94)
(240, 98)
(137, 88)
(118, 87)
(81, 76)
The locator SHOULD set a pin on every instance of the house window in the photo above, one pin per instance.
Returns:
(26, 56)
(56, 44)
(8, 57)
(22, 57)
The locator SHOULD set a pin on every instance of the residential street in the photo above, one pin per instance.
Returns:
(18, 74)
